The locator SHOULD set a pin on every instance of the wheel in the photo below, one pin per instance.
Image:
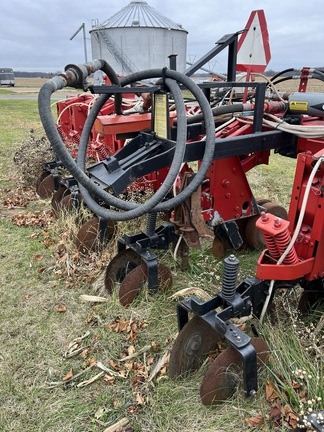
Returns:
(136, 278)
(45, 186)
(220, 381)
(120, 266)
(89, 237)
(253, 236)
(192, 346)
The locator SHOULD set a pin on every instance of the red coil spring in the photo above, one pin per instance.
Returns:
(271, 245)
(61, 132)
(74, 137)
(282, 241)
(100, 149)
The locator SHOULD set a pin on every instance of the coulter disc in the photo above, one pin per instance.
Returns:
(220, 381)
(135, 280)
(61, 193)
(89, 237)
(45, 186)
(120, 266)
(192, 346)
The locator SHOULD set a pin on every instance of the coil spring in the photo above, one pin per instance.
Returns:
(61, 132)
(103, 152)
(231, 266)
(271, 245)
(75, 137)
(151, 223)
(282, 241)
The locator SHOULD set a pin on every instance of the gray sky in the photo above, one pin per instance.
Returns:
(35, 34)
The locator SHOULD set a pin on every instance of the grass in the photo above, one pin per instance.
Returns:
(42, 278)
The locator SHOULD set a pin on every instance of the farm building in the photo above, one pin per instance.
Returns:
(138, 37)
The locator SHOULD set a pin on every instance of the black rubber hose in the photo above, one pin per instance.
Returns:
(134, 210)
(208, 155)
(281, 73)
(113, 77)
(84, 181)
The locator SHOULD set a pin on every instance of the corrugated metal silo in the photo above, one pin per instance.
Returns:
(138, 37)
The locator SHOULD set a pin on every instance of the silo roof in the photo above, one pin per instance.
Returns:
(140, 14)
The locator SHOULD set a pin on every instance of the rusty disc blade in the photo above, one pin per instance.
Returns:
(89, 237)
(221, 379)
(309, 299)
(253, 236)
(135, 280)
(61, 192)
(262, 201)
(218, 247)
(45, 186)
(120, 266)
(192, 346)
(68, 203)
(132, 284)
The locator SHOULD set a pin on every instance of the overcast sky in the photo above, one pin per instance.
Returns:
(35, 34)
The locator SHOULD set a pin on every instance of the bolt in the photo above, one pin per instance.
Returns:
(277, 222)
(228, 195)
(264, 217)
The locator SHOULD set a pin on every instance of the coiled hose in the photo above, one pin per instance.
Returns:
(77, 170)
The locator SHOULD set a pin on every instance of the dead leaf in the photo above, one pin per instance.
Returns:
(296, 385)
(139, 399)
(91, 361)
(38, 257)
(275, 414)
(115, 365)
(68, 376)
(155, 346)
(109, 379)
(61, 309)
(290, 417)
(255, 421)
(271, 392)
(131, 350)
(84, 353)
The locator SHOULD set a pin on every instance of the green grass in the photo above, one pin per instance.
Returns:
(41, 313)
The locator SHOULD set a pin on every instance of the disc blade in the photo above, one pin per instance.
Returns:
(89, 238)
(120, 266)
(221, 379)
(135, 280)
(46, 185)
(192, 346)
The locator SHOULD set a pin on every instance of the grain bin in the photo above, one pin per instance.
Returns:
(138, 37)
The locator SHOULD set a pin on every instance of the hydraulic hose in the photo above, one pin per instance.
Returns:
(217, 111)
(77, 170)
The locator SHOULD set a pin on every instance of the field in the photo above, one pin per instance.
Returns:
(68, 364)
